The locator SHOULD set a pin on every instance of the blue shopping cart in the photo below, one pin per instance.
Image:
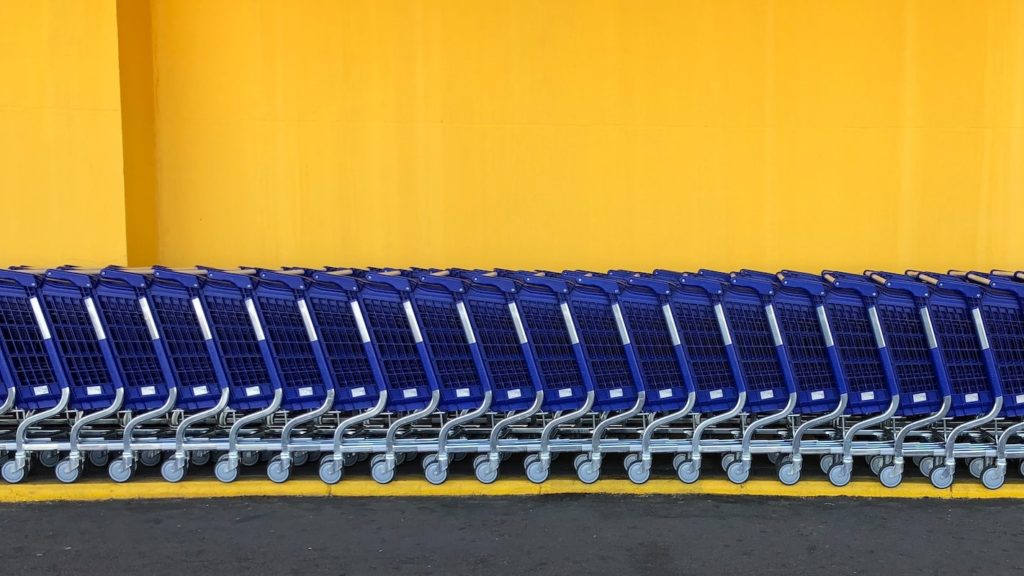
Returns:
(355, 372)
(718, 379)
(140, 358)
(200, 381)
(298, 359)
(976, 392)
(36, 383)
(397, 339)
(239, 334)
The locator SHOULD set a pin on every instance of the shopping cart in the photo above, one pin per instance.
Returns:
(977, 394)
(298, 359)
(202, 386)
(38, 387)
(360, 387)
(248, 363)
(141, 361)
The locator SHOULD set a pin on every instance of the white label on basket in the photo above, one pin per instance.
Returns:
(920, 397)
(826, 330)
(93, 390)
(148, 390)
(773, 323)
(1019, 399)
(980, 327)
(254, 319)
(569, 324)
(513, 394)
(716, 394)
(40, 320)
(252, 390)
(200, 390)
(616, 393)
(876, 327)
(972, 397)
(409, 393)
(197, 305)
(666, 393)
(620, 324)
(307, 321)
(413, 324)
(817, 395)
(929, 333)
(670, 321)
(462, 393)
(517, 322)
(867, 396)
(147, 315)
(565, 392)
(466, 326)
(358, 392)
(723, 327)
(766, 394)
(305, 391)
(97, 327)
(40, 390)
(357, 312)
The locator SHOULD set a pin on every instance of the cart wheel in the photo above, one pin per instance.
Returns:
(1022, 467)
(992, 478)
(350, 459)
(629, 459)
(224, 471)
(485, 472)
(250, 458)
(300, 458)
(363, 456)
(330, 470)
(688, 471)
(941, 477)
(200, 457)
(737, 472)
(579, 460)
(839, 475)
(976, 467)
(637, 473)
(889, 477)
(150, 458)
(505, 456)
(119, 471)
(927, 465)
(530, 458)
(458, 456)
(827, 462)
(13, 474)
(678, 460)
(788, 474)
(876, 463)
(727, 459)
(67, 472)
(277, 470)
(172, 470)
(98, 458)
(49, 458)
(536, 472)
(435, 474)
(379, 470)
(588, 471)
(427, 460)
(773, 457)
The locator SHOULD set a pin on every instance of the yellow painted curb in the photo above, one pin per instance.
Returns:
(415, 487)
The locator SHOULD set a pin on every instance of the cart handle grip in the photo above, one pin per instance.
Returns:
(653, 284)
(450, 283)
(391, 278)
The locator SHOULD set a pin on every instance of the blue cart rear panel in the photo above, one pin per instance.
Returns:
(817, 390)
(658, 350)
(755, 346)
(916, 372)
(858, 351)
(30, 361)
(961, 353)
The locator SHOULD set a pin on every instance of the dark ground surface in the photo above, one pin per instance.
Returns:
(515, 535)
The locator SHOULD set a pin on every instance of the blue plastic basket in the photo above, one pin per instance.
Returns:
(397, 343)
(181, 318)
(28, 358)
(240, 339)
(504, 347)
(1002, 310)
(557, 351)
(454, 355)
(139, 356)
(83, 348)
(919, 373)
(345, 340)
(712, 361)
(301, 368)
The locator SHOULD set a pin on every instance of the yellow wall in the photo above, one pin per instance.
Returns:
(60, 133)
(539, 133)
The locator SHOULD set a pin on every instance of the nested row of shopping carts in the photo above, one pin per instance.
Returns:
(176, 368)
